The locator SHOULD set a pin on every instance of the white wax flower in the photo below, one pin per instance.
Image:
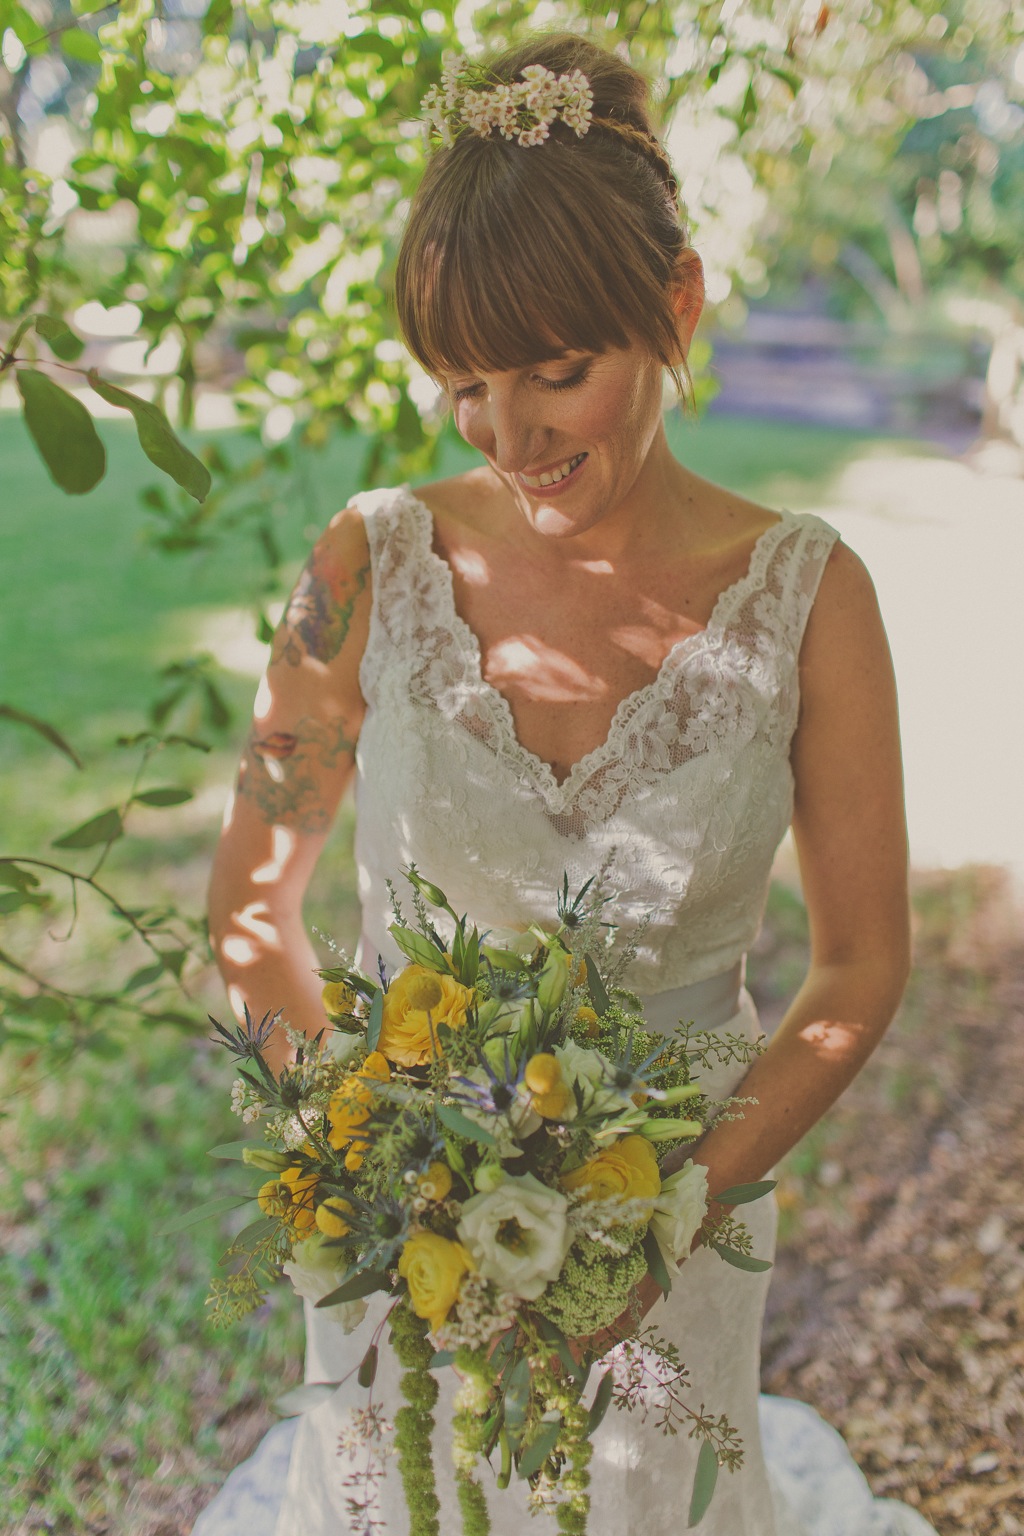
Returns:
(517, 1235)
(315, 1271)
(679, 1210)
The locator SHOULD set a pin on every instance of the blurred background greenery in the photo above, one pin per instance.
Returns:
(208, 195)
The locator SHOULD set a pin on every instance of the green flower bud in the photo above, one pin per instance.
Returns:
(553, 979)
(265, 1158)
(488, 1176)
(670, 1130)
(677, 1095)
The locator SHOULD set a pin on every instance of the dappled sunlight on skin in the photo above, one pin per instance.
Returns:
(554, 677)
(264, 700)
(238, 951)
(229, 810)
(255, 919)
(283, 846)
(830, 1037)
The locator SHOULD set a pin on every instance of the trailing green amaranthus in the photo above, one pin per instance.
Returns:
(414, 1425)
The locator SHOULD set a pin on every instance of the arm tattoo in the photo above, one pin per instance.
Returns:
(319, 613)
(278, 772)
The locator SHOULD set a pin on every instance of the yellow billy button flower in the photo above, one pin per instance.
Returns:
(338, 998)
(350, 1103)
(290, 1198)
(331, 1214)
(551, 1096)
(588, 1020)
(436, 1183)
(417, 1001)
(433, 1268)
(628, 1170)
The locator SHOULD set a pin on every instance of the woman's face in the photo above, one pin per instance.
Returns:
(585, 423)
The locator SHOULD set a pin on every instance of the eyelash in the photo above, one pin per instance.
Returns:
(570, 383)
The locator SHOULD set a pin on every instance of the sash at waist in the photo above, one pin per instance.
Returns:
(706, 1004)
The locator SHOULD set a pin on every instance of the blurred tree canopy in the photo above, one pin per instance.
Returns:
(233, 178)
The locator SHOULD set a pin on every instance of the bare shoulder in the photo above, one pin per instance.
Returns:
(329, 609)
(845, 615)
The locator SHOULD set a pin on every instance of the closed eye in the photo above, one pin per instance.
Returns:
(471, 391)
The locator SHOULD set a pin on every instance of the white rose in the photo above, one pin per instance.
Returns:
(518, 1235)
(593, 1073)
(679, 1210)
(315, 1271)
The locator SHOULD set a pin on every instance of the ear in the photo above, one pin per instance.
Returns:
(687, 296)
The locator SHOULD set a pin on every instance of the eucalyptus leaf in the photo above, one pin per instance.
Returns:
(740, 1260)
(231, 1150)
(743, 1194)
(440, 1358)
(218, 1207)
(517, 1395)
(602, 1401)
(362, 1283)
(63, 431)
(656, 1262)
(538, 1451)
(375, 1020)
(704, 1482)
(368, 1367)
(157, 439)
(461, 1124)
(166, 795)
(598, 992)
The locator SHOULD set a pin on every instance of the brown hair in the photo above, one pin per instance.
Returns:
(511, 255)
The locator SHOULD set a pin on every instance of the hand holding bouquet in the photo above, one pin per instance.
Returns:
(483, 1139)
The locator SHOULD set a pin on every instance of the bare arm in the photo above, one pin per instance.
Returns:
(298, 760)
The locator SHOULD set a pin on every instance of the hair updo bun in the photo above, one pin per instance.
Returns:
(512, 255)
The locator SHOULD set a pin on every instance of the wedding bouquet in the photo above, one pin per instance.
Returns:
(482, 1140)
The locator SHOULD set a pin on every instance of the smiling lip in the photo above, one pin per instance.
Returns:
(553, 489)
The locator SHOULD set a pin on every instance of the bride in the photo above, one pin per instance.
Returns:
(581, 655)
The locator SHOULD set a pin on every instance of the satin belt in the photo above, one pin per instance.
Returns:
(707, 1004)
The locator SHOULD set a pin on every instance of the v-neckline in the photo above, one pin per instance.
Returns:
(559, 793)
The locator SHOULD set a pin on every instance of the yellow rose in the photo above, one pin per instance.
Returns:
(433, 1268)
(291, 1198)
(350, 1103)
(417, 1001)
(626, 1171)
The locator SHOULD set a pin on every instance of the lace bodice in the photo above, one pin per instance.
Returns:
(685, 801)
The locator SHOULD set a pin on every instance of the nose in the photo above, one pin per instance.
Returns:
(503, 427)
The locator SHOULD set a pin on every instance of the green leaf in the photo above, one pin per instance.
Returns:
(13, 901)
(552, 1334)
(157, 439)
(456, 1121)
(375, 1020)
(79, 44)
(363, 1283)
(264, 630)
(742, 1194)
(232, 1150)
(63, 431)
(218, 1207)
(656, 1262)
(169, 795)
(418, 949)
(107, 827)
(144, 977)
(441, 1357)
(16, 878)
(301, 1399)
(598, 994)
(42, 728)
(740, 1260)
(60, 338)
(11, 346)
(368, 1367)
(538, 1451)
(704, 1482)
(254, 1233)
(602, 1401)
(517, 1395)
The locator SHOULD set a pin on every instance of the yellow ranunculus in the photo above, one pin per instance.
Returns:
(350, 1103)
(433, 1268)
(291, 1198)
(417, 1001)
(626, 1171)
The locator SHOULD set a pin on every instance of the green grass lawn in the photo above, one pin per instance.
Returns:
(112, 1386)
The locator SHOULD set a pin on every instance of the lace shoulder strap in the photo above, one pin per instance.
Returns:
(767, 610)
(406, 594)
(811, 548)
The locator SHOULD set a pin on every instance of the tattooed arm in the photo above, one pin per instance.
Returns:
(297, 762)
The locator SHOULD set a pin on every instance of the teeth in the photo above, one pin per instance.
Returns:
(554, 476)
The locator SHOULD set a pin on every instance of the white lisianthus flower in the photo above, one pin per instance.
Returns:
(510, 1127)
(518, 1235)
(315, 1271)
(679, 1210)
(592, 1071)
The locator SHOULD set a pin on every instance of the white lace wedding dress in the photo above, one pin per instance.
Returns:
(685, 803)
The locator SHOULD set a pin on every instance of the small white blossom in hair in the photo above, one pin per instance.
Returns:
(467, 98)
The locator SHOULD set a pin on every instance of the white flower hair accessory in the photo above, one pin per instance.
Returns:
(469, 98)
